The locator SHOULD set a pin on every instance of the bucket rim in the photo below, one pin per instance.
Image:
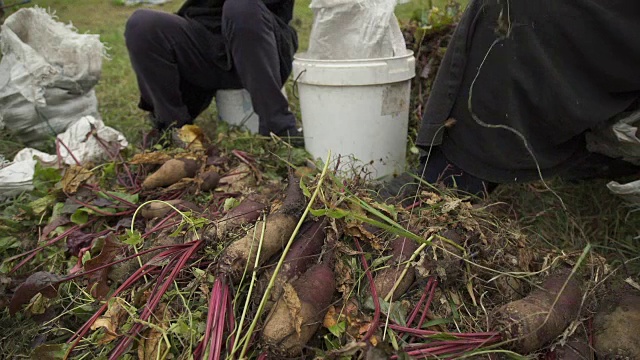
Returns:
(298, 56)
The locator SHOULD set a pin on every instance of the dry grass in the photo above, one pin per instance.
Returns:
(593, 216)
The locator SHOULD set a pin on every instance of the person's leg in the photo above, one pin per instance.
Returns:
(250, 29)
(598, 166)
(173, 64)
(434, 168)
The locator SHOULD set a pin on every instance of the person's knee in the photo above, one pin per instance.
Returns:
(243, 14)
(140, 27)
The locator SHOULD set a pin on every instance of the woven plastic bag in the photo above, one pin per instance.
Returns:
(47, 75)
(355, 29)
(620, 139)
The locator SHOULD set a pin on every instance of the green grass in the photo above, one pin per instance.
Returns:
(117, 90)
(593, 214)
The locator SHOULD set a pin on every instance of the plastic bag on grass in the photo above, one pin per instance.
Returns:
(88, 140)
(355, 29)
(630, 192)
(47, 75)
(620, 140)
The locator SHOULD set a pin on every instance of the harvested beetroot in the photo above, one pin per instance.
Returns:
(160, 209)
(209, 180)
(529, 323)
(240, 256)
(247, 212)
(170, 173)
(385, 280)
(616, 330)
(298, 313)
(303, 254)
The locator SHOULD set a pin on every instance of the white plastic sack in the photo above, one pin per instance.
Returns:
(89, 141)
(355, 29)
(630, 192)
(47, 75)
(16, 177)
(620, 140)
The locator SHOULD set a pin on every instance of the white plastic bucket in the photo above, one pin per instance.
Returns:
(358, 109)
(235, 108)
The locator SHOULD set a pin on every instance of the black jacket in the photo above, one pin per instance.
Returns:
(565, 67)
(209, 14)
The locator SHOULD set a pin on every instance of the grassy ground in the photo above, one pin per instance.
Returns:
(593, 214)
(117, 90)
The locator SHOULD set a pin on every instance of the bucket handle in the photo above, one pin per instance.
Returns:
(295, 84)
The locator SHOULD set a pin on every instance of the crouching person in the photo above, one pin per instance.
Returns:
(181, 60)
(521, 85)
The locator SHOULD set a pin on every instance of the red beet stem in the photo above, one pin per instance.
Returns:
(101, 212)
(163, 224)
(374, 293)
(155, 298)
(428, 304)
(407, 330)
(220, 310)
(439, 352)
(213, 332)
(35, 251)
(427, 290)
(68, 150)
(174, 249)
(216, 349)
(468, 341)
(217, 285)
(137, 275)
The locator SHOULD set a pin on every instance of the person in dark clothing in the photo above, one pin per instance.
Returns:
(521, 84)
(181, 60)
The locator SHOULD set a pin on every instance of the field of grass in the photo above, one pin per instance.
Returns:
(592, 217)
(606, 220)
(117, 90)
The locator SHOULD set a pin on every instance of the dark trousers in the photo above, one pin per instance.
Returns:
(173, 59)
(436, 168)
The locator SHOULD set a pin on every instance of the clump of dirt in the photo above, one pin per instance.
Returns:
(613, 338)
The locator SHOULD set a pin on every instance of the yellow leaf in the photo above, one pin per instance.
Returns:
(110, 321)
(151, 345)
(151, 158)
(192, 136)
(74, 177)
(374, 340)
(330, 318)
